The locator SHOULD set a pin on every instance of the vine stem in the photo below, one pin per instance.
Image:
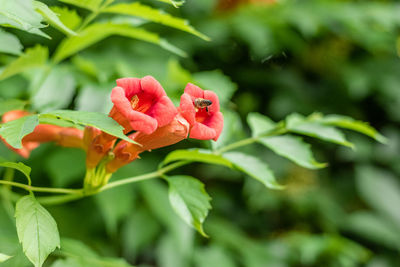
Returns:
(42, 189)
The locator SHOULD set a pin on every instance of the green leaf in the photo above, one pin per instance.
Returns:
(352, 124)
(292, 148)
(56, 91)
(4, 257)
(189, 200)
(33, 57)
(20, 14)
(199, 155)
(51, 17)
(26, 170)
(254, 167)
(37, 230)
(9, 43)
(381, 190)
(298, 124)
(99, 31)
(94, 119)
(139, 10)
(259, 124)
(175, 3)
(14, 131)
(92, 5)
(69, 17)
(11, 104)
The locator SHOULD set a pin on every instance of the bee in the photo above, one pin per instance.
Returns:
(202, 103)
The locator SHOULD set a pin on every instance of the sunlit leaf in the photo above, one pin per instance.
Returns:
(9, 43)
(175, 3)
(95, 119)
(52, 18)
(254, 167)
(11, 104)
(69, 17)
(352, 124)
(298, 124)
(33, 57)
(259, 124)
(14, 131)
(99, 31)
(37, 230)
(292, 148)
(143, 11)
(198, 155)
(92, 5)
(4, 257)
(189, 200)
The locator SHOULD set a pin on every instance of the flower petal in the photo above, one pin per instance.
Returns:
(131, 86)
(194, 91)
(163, 111)
(186, 109)
(210, 95)
(202, 132)
(152, 86)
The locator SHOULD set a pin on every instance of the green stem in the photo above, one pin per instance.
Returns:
(42, 189)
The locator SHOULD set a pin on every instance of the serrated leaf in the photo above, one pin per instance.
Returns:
(11, 104)
(189, 200)
(4, 257)
(26, 170)
(292, 148)
(33, 57)
(20, 14)
(92, 5)
(9, 43)
(352, 124)
(51, 17)
(94, 119)
(69, 17)
(254, 167)
(199, 155)
(99, 31)
(298, 124)
(143, 11)
(56, 91)
(259, 124)
(37, 230)
(14, 131)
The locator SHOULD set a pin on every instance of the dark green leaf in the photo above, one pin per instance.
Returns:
(14, 131)
(9, 43)
(37, 230)
(292, 148)
(33, 57)
(189, 200)
(199, 155)
(11, 104)
(259, 124)
(26, 170)
(254, 167)
(94, 119)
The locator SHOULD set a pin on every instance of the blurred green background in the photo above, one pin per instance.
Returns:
(336, 56)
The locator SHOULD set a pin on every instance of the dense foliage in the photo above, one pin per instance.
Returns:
(277, 68)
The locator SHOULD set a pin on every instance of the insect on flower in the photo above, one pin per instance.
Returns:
(202, 103)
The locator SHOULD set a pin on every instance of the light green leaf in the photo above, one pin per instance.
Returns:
(92, 5)
(352, 124)
(99, 31)
(4, 257)
(259, 124)
(33, 57)
(175, 3)
(37, 230)
(26, 170)
(69, 17)
(292, 148)
(189, 200)
(381, 190)
(94, 119)
(9, 43)
(254, 167)
(298, 124)
(56, 91)
(14, 131)
(20, 14)
(11, 104)
(139, 10)
(51, 17)
(199, 155)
